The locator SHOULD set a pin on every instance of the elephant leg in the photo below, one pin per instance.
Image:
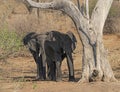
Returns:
(40, 74)
(41, 69)
(52, 71)
(70, 67)
(58, 71)
(48, 72)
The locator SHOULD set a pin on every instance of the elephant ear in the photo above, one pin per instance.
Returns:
(28, 37)
(32, 44)
(73, 40)
(30, 41)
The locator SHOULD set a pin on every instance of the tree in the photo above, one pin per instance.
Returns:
(95, 65)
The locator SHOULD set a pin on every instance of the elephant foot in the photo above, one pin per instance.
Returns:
(39, 78)
(51, 78)
(72, 78)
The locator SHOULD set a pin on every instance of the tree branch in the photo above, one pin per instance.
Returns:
(64, 5)
(99, 14)
(71, 10)
(55, 4)
(87, 8)
(34, 4)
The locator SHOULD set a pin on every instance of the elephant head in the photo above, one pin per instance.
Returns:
(35, 44)
(30, 41)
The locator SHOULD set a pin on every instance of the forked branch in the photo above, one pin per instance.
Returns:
(66, 6)
(99, 14)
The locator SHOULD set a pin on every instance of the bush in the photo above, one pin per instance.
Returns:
(10, 42)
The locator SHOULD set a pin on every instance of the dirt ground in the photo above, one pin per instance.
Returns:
(17, 73)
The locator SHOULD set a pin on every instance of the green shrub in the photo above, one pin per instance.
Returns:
(10, 41)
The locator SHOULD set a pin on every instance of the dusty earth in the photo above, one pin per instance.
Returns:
(17, 73)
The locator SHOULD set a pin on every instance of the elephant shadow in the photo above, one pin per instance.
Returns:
(65, 75)
(23, 78)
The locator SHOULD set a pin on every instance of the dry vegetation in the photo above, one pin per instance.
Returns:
(18, 71)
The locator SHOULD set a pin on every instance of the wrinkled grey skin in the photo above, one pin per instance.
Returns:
(51, 48)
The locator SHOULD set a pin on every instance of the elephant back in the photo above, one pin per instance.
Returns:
(67, 41)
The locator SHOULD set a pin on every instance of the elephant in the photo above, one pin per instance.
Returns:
(51, 48)
(31, 42)
(57, 48)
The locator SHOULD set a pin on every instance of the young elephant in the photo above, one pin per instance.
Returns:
(57, 48)
(51, 47)
(31, 42)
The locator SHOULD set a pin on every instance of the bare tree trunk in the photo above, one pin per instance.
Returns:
(95, 65)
